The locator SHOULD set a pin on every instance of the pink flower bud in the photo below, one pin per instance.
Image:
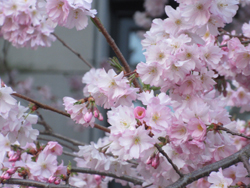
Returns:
(139, 112)
(5, 176)
(57, 181)
(149, 160)
(100, 117)
(87, 117)
(51, 179)
(98, 178)
(96, 113)
(156, 161)
(14, 156)
(11, 171)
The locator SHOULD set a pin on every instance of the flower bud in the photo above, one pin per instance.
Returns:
(87, 117)
(51, 179)
(156, 161)
(57, 181)
(98, 178)
(149, 160)
(14, 156)
(96, 113)
(100, 117)
(5, 176)
(11, 171)
(139, 112)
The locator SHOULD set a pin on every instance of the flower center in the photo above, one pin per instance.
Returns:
(155, 117)
(199, 127)
(137, 140)
(60, 5)
(161, 56)
(178, 22)
(199, 7)
(188, 55)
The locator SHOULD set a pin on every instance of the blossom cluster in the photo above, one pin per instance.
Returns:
(185, 59)
(186, 63)
(31, 161)
(16, 124)
(31, 23)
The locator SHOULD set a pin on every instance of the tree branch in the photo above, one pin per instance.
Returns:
(205, 171)
(115, 48)
(245, 159)
(72, 154)
(46, 107)
(169, 160)
(76, 53)
(70, 140)
(43, 122)
(242, 42)
(133, 180)
(33, 183)
(231, 132)
(40, 105)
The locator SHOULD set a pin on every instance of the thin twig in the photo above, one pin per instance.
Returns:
(231, 132)
(32, 183)
(70, 140)
(224, 32)
(169, 160)
(40, 105)
(133, 180)
(205, 171)
(115, 48)
(72, 154)
(76, 53)
(105, 129)
(46, 107)
(242, 42)
(43, 122)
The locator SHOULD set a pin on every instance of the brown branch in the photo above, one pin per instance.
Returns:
(242, 42)
(231, 132)
(224, 32)
(40, 105)
(70, 140)
(205, 171)
(72, 154)
(43, 122)
(76, 53)
(133, 180)
(115, 48)
(46, 107)
(105, 129)
(169, 160)
(32, 183)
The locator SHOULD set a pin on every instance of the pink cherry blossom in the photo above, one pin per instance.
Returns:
(53, 148)
(218, 180)
(136, 141)
(45, 165)
(197, 128)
